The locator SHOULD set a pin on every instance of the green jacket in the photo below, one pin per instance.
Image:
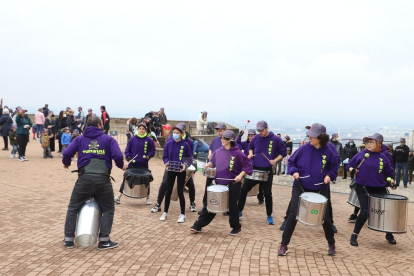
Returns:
(21, 122)
(12, 137)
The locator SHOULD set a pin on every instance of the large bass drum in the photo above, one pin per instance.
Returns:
(388, 213)
(136, 182)
(311, 209)
(89, 220)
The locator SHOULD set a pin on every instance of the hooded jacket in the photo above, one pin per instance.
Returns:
(374, 171)
(21, 122)
(177, 151)
(349, 151)
(271, 145)
(229, 163)
(142, 147)
(244, 145)
(94, 144)
(315, 163)
(338, 146)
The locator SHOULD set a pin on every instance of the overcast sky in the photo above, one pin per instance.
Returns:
(278, 60)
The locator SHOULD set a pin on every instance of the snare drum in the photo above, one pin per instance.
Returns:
(217, 199)
(353, 199)
(209, 172)
(311, 209)
(175, 166)
(388, 213)
(258, 176)
(136, 182)
(254, 190)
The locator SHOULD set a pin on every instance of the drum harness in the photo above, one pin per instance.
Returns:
(95, 166)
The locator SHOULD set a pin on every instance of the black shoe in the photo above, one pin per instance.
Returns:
(390, 238)
(333, 182)
(352, 218)
(68, 244)
(334, 229)
(199, 213)
(354, 241)
(282, 227)
(343, 177)
(261, 202)
(226, 214)
(103, 245)
(195, 229)
(235, 231)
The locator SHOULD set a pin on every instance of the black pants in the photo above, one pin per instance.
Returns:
(52, 144)
(6, 142)
(356, 210)
(22, 140)
(171, 176)
(291, 221)
(260, 195)
(234, 192)
(410, 175)
(363, 202)
(329, 207)
(100, 188)
(352, 174)
(163, 189)
(265, 186)
(209, 181)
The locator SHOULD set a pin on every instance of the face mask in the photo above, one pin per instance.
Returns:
(176, 136)
(64, 115)
(351, 144)
(53, 115)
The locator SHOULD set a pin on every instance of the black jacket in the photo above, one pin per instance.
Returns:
(400, 154)
(5, 124)
(410, 162)
(338, 146)
(349, 151)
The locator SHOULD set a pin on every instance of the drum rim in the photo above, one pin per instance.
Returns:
(326, 199)
(403, 198)
(384, 231)
(223, 185)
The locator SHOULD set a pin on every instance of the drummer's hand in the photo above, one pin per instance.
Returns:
(238, 178)
(184, 167)
(327, 179)
(272, 162)
(66, 167)
(206, 166)
(166, 165)
(296, 176)
(209, 156)
(250, 156)
(125, 167)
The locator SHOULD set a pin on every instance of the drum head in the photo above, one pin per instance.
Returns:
(138, 172)
(390, 196)
(191, 168)
(313, 197)
(217, 188)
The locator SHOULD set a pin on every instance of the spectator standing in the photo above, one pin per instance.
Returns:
(50, 125)
(1, 106)
(202, 123)
(45, 142)
(339, 150)
(279, 164)
(66, 138)
(286, 161)
(163, 117)
(288, 142)
(61, 123)
(73, 122)
(45, 110)
(400, 156)
(105, 119)
(350, 151)
(89, 115)
(13, 142)
(156, 123)
(131, 128)
(39, 122)
(23, 126)
(410, 166)
(5, 124)
(81, 117)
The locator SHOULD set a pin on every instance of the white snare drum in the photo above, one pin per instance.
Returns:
(254, 190)
(311, 209)
(353, 199)
(258, 176)
(217, 199)
(209, 172)
(388, 213)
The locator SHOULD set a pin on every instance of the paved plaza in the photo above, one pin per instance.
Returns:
(35, 195)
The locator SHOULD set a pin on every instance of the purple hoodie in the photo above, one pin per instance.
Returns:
(215, 144)
(189, 141)
(177, 151)
(374, 171)
(243, 145)
(229, 163)
(141, 146)
(94, 144)
(315, 163)
(271, 145)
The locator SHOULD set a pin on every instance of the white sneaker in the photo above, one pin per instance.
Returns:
(284, 175)
(148, 201)
(193, 207)
(11, 156)
(16, 155)
(25, 159)
(181, 218)
(117, 200)
(21, 159)
(163, 216)
(156, 209)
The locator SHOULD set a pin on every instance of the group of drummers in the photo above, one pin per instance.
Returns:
(238, 168)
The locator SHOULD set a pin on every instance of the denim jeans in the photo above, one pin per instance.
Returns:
(404, 167)
(100, 188)
(39, 130)
(15, 149)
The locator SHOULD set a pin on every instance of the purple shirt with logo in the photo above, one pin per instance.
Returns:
(271, 145)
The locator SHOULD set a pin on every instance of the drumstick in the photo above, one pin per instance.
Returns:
(363, 160)
(132, 159)
(225, 179)
(268, 159)
(319, 183)
(304, 176)
(248, 121)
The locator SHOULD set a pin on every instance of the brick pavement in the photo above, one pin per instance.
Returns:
(35, 195)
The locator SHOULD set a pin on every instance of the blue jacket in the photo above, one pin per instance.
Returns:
(200, 147)
(66, 138)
